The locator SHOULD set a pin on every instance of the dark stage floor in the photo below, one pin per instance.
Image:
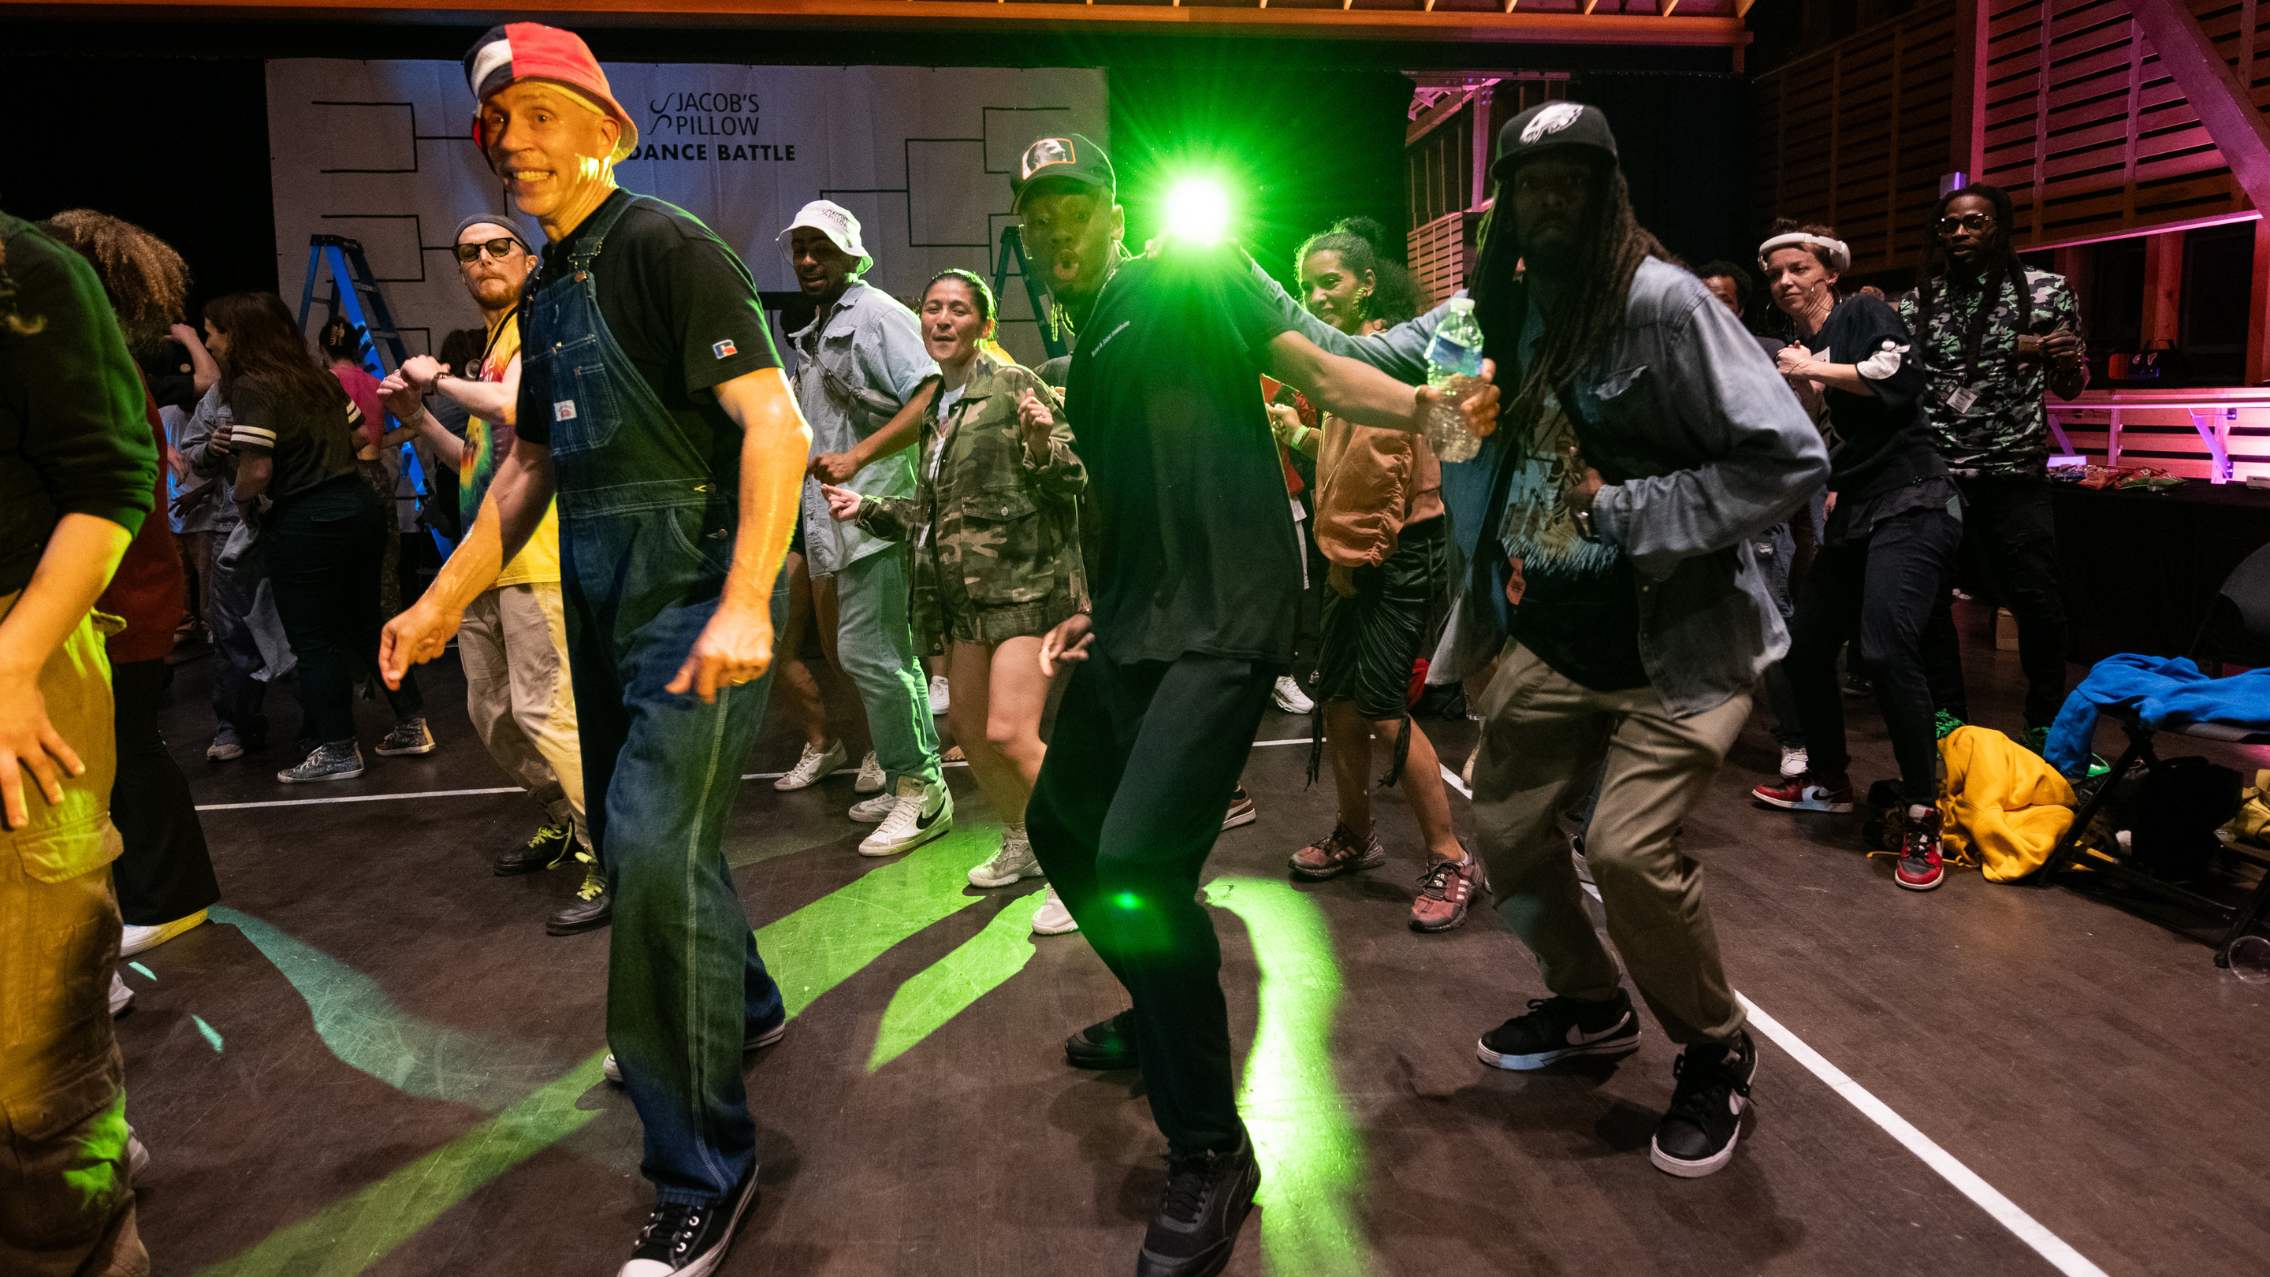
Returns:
(376, 1061)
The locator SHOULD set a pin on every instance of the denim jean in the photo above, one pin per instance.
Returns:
(238, 692)
(1886, 580)
(647, 528)
(875, 642)
(324, 548)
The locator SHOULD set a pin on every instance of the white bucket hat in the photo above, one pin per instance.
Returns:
(836, 222)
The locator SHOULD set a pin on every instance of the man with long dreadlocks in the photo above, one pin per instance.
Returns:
(1994, 335)
(1648, 440)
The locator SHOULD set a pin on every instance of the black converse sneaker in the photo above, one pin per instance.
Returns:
(1697, 1136)
(1206, 1200)
(689, 1241)
(1559, 1027)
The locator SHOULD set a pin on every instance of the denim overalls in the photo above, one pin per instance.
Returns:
(646, 536)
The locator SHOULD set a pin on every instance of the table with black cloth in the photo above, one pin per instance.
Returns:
(2141, 569)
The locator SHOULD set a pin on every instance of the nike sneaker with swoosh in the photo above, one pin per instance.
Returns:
(1557, 1028)
(924, 812)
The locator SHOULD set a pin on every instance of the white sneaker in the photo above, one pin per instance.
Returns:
(870, 775)
(874, 811)
(1053, 919)
(938, 696)
(923, 813)
(812, 767)
(1014, 861)
(1289, 696)
(137, 1156)
(135, 940)
(1793, 761)
(121, 997)
(1466, 773)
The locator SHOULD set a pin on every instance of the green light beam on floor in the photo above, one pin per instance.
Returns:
(355, 1232)
(212, 1035)
(833, 938)
(819, 946)
(364, 1028)
(1312, 1158)
(948, 987)
(146, 972)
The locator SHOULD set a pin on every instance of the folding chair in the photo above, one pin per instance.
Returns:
(2238, 626)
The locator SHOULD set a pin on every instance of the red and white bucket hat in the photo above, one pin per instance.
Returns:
(532, 51)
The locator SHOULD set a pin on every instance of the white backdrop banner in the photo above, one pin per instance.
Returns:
(379, 151)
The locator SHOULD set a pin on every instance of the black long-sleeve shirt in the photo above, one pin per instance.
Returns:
(73, 439)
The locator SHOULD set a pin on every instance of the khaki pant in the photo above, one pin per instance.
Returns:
(513, 646)
(1542, 734)
(66, 1205)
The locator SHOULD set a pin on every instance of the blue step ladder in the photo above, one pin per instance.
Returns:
(355, 292)
(1013, 250)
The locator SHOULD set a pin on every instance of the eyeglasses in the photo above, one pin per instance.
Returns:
(497, 248)
(1967, 222)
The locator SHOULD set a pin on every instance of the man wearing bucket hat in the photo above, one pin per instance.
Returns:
(857, 363)
(1196, 593)
(652, 402)
(514, 641)
(1647, 440)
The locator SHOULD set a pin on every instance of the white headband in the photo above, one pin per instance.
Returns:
(1840, 257)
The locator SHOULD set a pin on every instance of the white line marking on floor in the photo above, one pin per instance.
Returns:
(1965, 1180)
(509, 789)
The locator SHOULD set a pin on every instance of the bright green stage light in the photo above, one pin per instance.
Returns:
(1198, 209)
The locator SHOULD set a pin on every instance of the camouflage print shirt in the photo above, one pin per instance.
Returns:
(995, 529)
(2003, 428)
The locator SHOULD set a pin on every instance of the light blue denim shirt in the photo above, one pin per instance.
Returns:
(1684, 401)
(856, 365)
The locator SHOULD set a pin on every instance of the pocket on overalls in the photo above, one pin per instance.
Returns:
(706, 536)
(584, 418)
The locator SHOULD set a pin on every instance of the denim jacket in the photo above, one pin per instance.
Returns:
(1716, 447)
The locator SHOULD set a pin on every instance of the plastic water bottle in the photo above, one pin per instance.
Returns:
(1454, 367)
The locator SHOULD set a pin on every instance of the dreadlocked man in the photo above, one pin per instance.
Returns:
(1992, 335)
(1648, 440)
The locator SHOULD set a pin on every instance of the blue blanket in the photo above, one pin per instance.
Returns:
(2164, 693)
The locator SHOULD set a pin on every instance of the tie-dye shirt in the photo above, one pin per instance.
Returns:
(487, 444)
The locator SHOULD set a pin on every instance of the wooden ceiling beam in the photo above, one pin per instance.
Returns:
(1530, 27)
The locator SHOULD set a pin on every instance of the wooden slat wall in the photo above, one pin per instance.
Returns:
(1856, 135)
(1437, 252)
(2084, 129)
(2089, 134)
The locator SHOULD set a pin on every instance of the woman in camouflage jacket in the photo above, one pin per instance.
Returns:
(994, 521)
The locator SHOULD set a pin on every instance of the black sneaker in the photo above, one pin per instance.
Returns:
(689, 1241)
(1697, 1136)
(1109, 1045)
(1556, 1028)
(548, 848)
(592, 907)
(1207, 1197)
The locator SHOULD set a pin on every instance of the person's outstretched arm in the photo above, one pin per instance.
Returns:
(1366, 396)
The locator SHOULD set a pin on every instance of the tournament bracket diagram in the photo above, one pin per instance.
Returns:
(379, 151)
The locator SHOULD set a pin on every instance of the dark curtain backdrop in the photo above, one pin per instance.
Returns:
(1685, 143)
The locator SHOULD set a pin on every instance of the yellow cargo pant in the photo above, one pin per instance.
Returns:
(66, 1202)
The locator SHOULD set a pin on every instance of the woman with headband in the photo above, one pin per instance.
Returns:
(1894, 522)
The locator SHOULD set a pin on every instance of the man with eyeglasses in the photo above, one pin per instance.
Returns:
(1994, 335)
(513, 643)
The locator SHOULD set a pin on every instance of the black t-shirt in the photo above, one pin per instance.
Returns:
(1884, 442)
(1196, 550)
(682, 306)
(1579, 609)
(313, 441)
